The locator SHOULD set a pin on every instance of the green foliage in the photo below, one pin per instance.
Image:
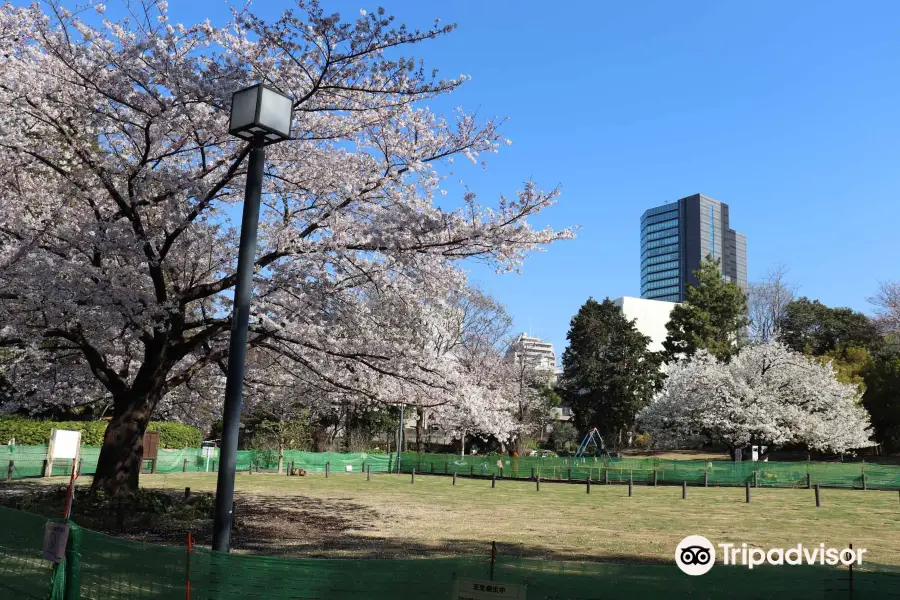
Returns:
(642, 441)
(32, 432)
(531, 444)
(713, 318)
(564, 437)
(550, 396)
(292, 434)
(608, 372)
(176, 435)
(264, 459)
(850, 365)
(882, 398)
(814, 329)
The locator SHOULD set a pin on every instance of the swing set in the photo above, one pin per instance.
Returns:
(592, 437)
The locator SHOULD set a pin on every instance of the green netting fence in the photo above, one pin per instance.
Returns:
(28, 461)
(859, 475)
(100, 567)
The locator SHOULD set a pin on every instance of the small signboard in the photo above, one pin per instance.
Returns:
(64, 444)
(476, 589)
(349, 468)
(56, 535)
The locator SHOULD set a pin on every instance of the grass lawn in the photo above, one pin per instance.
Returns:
(345, 515)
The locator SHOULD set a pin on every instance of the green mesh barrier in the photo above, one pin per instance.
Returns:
(100, 567)
(647, 470)
(23, 573)
(28, 461)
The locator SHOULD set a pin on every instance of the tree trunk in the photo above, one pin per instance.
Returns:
(119, 465)
(280, 458)
(462, 445)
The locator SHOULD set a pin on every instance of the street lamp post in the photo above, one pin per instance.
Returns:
(262, 116)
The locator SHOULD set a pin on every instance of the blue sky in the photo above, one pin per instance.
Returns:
(787, 111)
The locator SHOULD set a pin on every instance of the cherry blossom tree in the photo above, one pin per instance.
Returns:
(118, 230)
(887, 303)
(767, 395)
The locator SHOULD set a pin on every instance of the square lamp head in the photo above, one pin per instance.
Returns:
(261, 113)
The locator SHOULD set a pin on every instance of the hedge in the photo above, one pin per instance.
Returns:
(33, 433)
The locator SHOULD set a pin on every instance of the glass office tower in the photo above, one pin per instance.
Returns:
(675, 237)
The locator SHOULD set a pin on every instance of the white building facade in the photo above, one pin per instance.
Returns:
(534, 352)
(650, 316)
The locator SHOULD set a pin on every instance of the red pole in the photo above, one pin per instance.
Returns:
(68, 510)
(188, 570)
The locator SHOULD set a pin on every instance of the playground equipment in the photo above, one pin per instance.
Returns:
(592, 437)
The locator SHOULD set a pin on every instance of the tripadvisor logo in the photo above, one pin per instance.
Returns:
(696, 555)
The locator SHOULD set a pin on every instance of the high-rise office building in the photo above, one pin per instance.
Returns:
(676, 236)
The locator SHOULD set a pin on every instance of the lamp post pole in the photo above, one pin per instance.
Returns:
(237, 351)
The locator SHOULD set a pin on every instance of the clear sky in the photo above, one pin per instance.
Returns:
(787, 111)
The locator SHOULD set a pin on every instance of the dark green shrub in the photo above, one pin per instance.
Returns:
(31, 432)
(176, 435)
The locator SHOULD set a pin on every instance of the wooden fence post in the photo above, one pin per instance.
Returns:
(748, 491)
(588, 483)
(655, 474)
(684, 490)
(327, 469)
(9, 471)
(454, 477)
(48, 463)
(808, 481)
(412, 475)
(606, 476)
(369, 473)
(538, 482)
(184, 466)
(187, 493)
(818, 497)
(493, 481)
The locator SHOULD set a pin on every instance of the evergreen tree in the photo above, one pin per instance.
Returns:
(882, 398)
(810, 327)
(608, 372)
(713, 318)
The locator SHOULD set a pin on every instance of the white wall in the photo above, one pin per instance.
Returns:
(650, 317)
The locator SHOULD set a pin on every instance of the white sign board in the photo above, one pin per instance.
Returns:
(55, 537)
(476, 589)
(209, 451)
(349, 468)
(64, 444)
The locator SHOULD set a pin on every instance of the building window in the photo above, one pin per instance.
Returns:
(671, 250)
